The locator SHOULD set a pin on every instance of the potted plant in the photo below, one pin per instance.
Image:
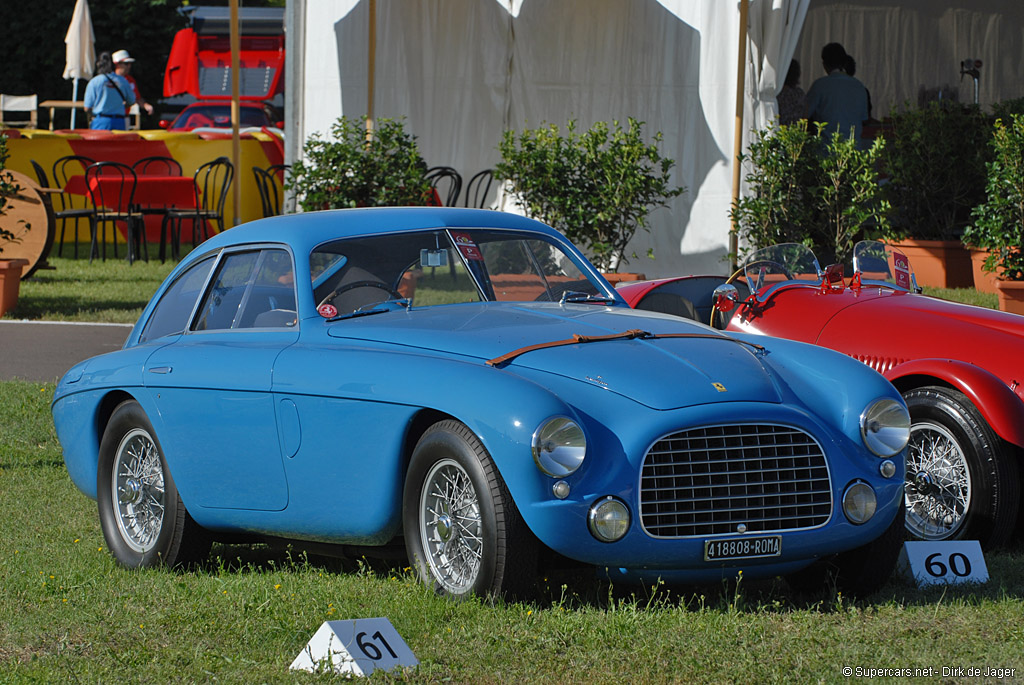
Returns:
(597, 187)
(802, 189)
(998, 222)
(360, 167)
(10, 269)
(936, 165)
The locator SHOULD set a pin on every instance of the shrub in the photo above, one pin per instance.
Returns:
(998, 222)
(597, 188)
(935, 159)
(802, 189)
(8, 187)
(353, 170)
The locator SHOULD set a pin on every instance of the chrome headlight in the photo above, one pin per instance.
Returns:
(559, 446)
(859, 503)
(608, 519)
(885, 427)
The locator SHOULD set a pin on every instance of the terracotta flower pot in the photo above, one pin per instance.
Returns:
(615, 278)
(984, 282)
(10, 283)
(938, 263)
(1011, 296)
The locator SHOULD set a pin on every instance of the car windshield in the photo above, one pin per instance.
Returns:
(772, 266)
(441, 266)
(219, 116)
(880, 263)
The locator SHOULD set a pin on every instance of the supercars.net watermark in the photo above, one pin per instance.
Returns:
(988, 672)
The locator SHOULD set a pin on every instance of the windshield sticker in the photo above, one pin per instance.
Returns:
(467, 247)
(901, 267)
(328, 311)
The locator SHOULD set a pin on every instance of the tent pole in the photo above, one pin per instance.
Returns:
(741, 66)
(74, 98)
(236, 144)
(371, 75)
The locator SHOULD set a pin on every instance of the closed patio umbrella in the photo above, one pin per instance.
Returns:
(80, 49)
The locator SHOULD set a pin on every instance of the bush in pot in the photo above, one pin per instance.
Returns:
(998, 222)
(597, 187)
(803, 189)
(355, 169)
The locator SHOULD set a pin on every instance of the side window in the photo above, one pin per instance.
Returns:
(250, 290)
(171, 314)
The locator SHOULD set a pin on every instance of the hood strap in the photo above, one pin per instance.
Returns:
(632, 334)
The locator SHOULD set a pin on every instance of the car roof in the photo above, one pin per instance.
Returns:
(306, 230)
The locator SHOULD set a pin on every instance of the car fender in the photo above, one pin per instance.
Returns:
(999, 405)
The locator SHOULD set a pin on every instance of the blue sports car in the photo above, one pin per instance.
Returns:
(463, 382)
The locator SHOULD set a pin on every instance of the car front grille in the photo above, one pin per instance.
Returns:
(708, 481)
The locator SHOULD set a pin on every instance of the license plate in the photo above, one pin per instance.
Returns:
(743, 548)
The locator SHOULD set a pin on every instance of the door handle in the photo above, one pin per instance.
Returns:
(160, 369)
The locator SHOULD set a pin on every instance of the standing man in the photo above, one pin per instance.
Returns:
(838, 100)
(123, 66)
(107, 98)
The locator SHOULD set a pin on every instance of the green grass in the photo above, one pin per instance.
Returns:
(965, 295)
(110, 291)
(69, 614)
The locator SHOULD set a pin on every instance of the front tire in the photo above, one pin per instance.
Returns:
(961, 482)
(143, 519)
(463, 532)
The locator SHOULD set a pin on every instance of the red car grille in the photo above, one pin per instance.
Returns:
(708, 481)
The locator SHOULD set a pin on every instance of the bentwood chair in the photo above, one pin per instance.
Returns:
(446, 178)
(69, 206)
(478, 189)
(213, 179)
(113, 197)
(269, 185)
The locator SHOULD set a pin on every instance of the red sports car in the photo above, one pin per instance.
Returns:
(959, 368)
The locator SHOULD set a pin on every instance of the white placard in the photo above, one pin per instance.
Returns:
(356, 647)
(945, 562)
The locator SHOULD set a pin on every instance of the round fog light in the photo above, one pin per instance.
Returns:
(608, 519)
(887, 469)
(560, 489)
(859, 503)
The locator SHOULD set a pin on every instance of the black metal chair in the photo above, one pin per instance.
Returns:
(115, 202)
(478, 188)
(157, 165)
(67, 205)
(213, 179)
(269, 183)
(446, 178)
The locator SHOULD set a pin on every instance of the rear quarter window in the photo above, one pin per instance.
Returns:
(170, 316)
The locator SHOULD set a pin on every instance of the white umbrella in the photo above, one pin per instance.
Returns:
(81, 51)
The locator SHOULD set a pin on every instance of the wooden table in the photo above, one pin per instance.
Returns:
(78, 104)
(29, 216)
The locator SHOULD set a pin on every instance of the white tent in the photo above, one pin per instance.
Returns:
(462, 71)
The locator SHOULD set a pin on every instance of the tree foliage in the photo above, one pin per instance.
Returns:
(349, 170)
(597, 188)
(805, 189)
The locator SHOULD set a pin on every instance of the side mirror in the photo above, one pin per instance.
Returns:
(163, 123)
(832, 280)
(725, 298)
(279, 124)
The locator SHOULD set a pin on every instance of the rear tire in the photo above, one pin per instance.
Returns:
(463, 532)
(962, 483)
(143, 519)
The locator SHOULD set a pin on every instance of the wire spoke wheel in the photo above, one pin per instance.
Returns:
(938, 488)
(451, 527)
(138, 487)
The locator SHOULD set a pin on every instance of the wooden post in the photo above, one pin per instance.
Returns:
(741, 69)
(371, 74)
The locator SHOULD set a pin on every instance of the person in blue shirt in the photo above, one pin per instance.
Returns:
(838, 100)
(108, 96)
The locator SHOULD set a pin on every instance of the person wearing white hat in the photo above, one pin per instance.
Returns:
(123, 66)
(108, 97)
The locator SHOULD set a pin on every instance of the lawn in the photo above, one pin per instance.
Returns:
(68, 613)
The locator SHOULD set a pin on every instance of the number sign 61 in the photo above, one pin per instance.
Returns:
(954, 561)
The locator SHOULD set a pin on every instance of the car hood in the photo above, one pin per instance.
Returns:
(663, 373)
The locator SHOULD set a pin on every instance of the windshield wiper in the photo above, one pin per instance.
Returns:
(373, 308)
(576, 296)
(632, 334)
